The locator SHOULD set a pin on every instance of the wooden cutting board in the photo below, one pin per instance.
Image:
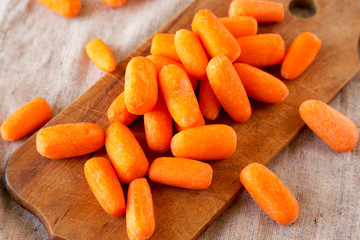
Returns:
(56, 190)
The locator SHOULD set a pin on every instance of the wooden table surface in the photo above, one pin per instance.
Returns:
(42, 54)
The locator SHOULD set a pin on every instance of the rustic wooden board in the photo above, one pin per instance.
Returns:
(57, 192)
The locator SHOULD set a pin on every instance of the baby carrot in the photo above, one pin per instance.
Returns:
(335, 129)
(215, 37)
(300, 55)
(125, 153)
(105, 185)
(181, 172)
(272, 196)
(101, 55)
(158, 127)
(69, 140)
(209, 104)
(117, 112)
(140, 217)
(228, 88)
(240, 26)
(260, 85)
(179, 97)
(209, 142)
(26, 119)
(191, 53)
(141, 87)
(65, 8)
(163, 45)
(262, 50)
(262, 11)
(114, 3)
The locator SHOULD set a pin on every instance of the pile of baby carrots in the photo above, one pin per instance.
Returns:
(223, 56)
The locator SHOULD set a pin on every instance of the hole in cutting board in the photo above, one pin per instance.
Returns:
(302, 8)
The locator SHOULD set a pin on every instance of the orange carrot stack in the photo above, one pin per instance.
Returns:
(209, 104)
(117, 112)
(114, 3)
(65, 8)
(240, 26)
(101, 55)
(163, 45)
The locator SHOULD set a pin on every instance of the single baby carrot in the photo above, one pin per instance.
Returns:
(65, 8)
(191, 53)
(260, 85)
(125, 153)
(335, 129)
(215, 37)
(262, 11)
(209, 104)
(69, 140)
(209, 142)
(272, 196)
(300, 55)
(163, 45)
(114, 3)
(117, 112)
(240, 26)
(262, 50)
(141, 87)
(140, 217)
(101, 55)
(26, 119)
(158, 127)
(180, 99)
(228, 88)
(181, 172)
(105, 185)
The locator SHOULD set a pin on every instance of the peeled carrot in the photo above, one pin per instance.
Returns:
(158, 127)
(300, 55)
(163, 45)
(228, 88)
(181, 172)
(26, 119)
(215, 37)
(140, 217)
(101, 55)
(262, 11)
(141, 87)
(262, 50)
(209, 142)
(117, 112)
(260, 85)
(65, 8)
(69, 140)
(209, 104)
(179, 97)
(114, 3)
(335, 129)
(105, 185)
(240, 26)
(272, 196)
(125, 153)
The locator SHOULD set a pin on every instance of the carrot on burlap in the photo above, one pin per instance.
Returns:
(209, 104)
(114, 3)
(65, 8)
(101, 55)
(117, 112)
(163, 45)
(240, 26)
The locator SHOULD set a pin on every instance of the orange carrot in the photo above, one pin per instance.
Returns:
(260, 85)
(26, 119)
(181, 172)
(114, 3)
(69, 140)
(240, 26)
(209, 104)
(65, 8)
(215, 37)
(228, 88)
(117, 112)
(141, 87)
(105, 185)
(335, 129)
(163, 45)
(272, 196)
(179, 97)
(262, 11)
(101, 55)
(125, 153)
(158, 127)
(209, 142)
(140, 217)
(300, 55)
(262, 50)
